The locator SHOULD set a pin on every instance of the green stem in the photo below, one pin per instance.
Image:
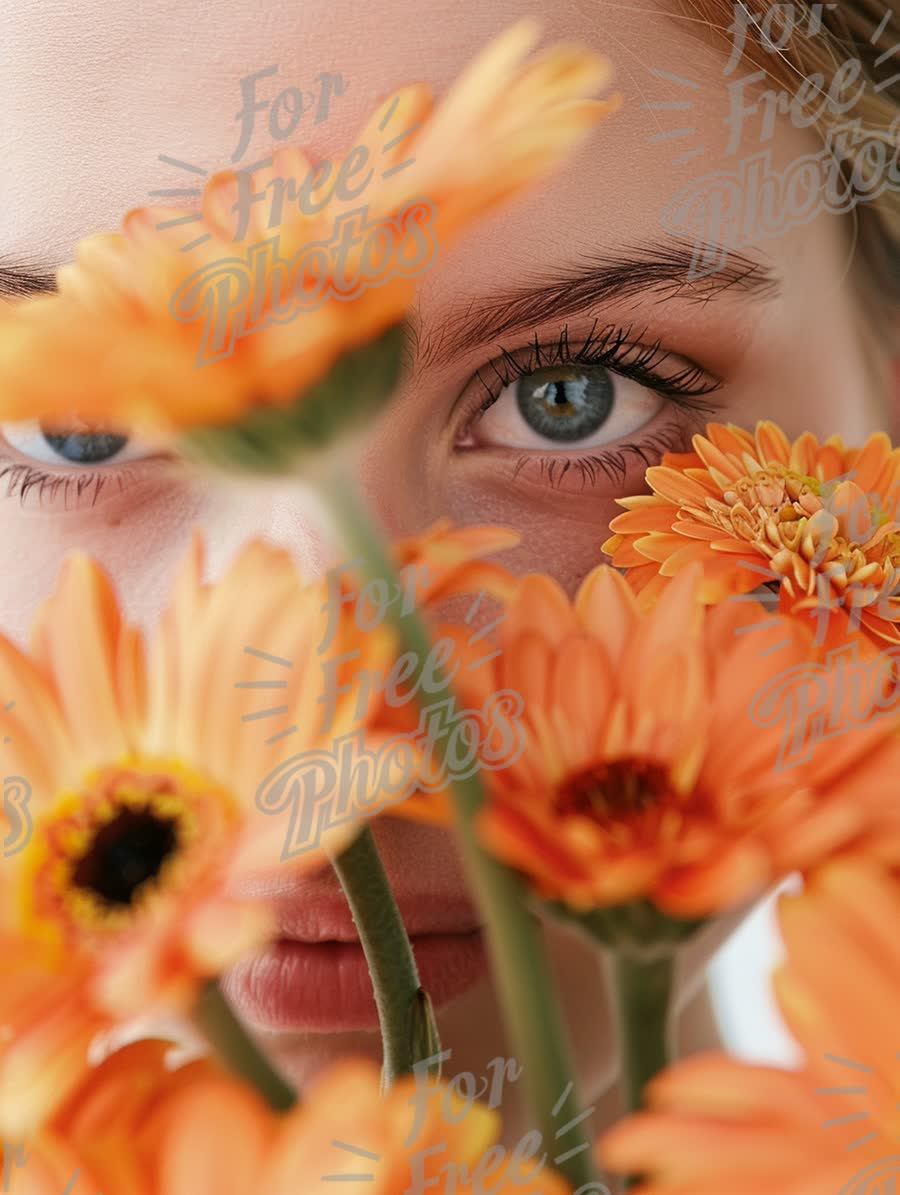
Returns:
(643, 999)
(513, 935)
(389, 955)
(236, 1050)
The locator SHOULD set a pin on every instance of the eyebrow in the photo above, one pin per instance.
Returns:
(665, 270)
(19, 280)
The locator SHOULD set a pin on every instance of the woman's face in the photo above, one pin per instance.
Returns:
(102, 101)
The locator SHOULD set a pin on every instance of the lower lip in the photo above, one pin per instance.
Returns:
(324, 987)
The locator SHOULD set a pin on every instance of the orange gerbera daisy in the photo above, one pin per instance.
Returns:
(102, 1137)
(439, 565)
(138, 311)
(137, 1128)
(720, 1127)
(443, 575)
(142, 776)
(149, 762)
(433, 572)
(819, 521)
(651, 766)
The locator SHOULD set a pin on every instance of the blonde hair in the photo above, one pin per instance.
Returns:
(846, 32)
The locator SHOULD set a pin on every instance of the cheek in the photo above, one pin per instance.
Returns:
(561, 529)
(559, 537)
(22, 588)
(138, 537)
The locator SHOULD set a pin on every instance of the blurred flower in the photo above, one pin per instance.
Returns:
(120, 343)
(48, 1020)
(144, 776)
(505, 123)
(716, 1126)
(447, 562)
(756, 509)
(105, 1132)
(643, 776)
(143, 1130)
(443, 574)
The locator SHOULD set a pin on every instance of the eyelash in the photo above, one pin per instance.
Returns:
(614, 350)
(23, 478)
(613, 462)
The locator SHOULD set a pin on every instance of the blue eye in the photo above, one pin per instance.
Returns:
(565, 403)
(564, 407)
(81, 449)
(76, 447)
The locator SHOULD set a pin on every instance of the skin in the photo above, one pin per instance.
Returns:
(93, 94)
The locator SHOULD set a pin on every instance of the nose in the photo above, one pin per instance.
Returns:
(285, 514)
(298, 520)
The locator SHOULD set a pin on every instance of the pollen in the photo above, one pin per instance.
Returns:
(809, 531)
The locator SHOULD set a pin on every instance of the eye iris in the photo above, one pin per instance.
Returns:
(565, 403)
(83, 449)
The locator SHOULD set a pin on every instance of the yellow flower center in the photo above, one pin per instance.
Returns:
(807, 533)
(129, 836)
(774, 493)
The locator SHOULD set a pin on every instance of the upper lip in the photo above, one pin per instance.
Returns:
(316, 910)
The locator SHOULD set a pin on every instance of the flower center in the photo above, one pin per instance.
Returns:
(127, 838)
(614, 789)
(125, 854)
(773, 493)
(841, 536)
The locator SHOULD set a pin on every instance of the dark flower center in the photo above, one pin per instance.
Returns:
(128, 852)
(613, 789)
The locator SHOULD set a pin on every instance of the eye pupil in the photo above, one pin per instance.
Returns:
(85, 449)
(569, 405)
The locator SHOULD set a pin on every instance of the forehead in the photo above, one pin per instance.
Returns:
(115, 104)
(97, 94)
